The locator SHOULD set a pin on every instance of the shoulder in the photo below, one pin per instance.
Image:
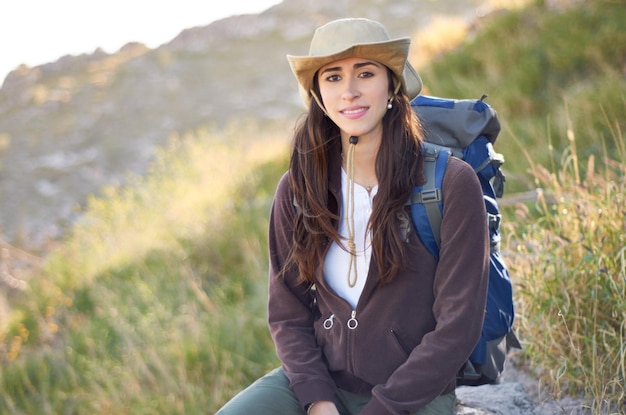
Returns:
(459, 173)
(461, 187)
(283, 203)
(283, 188)
(463, 201)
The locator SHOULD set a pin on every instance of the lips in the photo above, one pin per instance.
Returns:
(354, 112)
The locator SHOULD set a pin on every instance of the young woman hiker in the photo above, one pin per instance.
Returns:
(364, 319)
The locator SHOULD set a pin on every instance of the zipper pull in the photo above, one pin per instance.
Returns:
(353, 322)
(328, 323)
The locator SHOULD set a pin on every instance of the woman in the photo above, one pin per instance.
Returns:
(364, 319)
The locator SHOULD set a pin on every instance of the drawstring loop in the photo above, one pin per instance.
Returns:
(350, 213)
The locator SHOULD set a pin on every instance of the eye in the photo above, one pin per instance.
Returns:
(333, 78)
(366, 74)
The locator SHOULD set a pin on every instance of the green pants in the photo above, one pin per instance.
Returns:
(270, 395)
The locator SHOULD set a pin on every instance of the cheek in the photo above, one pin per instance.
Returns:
(327, 95)
(383, 92)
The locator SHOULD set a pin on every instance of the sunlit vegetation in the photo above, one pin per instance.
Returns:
(155, 301)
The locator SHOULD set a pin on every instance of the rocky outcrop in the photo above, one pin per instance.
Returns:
(503, 399)
(517, 394)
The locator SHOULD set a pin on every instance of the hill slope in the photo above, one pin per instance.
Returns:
(72, 126)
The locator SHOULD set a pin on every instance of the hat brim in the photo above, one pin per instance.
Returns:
(392, 53)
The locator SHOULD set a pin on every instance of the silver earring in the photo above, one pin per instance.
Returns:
(389, 105)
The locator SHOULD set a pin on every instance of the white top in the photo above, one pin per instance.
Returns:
(336, 264)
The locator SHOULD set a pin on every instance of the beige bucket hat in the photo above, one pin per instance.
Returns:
(364, 38)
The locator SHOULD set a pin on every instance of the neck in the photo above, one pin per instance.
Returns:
(365, 154)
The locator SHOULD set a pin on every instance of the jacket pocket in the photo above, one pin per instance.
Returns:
(402, 344)
(391, 352)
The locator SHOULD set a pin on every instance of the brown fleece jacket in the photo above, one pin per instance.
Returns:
(413, 334)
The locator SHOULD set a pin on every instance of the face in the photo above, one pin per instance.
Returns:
(355, 93)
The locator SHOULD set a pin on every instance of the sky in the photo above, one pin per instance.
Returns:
(34, 32)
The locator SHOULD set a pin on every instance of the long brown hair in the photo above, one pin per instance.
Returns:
(398, 169)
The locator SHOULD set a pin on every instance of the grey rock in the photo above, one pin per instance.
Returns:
(502, 399)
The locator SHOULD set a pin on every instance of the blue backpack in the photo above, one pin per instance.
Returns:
(467, 129)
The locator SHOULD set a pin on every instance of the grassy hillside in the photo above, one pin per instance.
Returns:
(156, 302)
(547, 72)
(141, 309)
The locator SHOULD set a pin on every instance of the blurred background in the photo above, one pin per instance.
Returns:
(140, 145)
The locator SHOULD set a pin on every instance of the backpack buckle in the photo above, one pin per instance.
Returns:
(425, 196)
(494, 221)
(430, 153)
(430, 196)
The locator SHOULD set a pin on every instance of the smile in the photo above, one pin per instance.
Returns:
(354, 112)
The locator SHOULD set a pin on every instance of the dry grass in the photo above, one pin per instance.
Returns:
(569, 258)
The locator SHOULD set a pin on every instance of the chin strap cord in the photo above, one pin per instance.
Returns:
(352, 272)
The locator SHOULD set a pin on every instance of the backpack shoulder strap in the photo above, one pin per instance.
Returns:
(426, 201)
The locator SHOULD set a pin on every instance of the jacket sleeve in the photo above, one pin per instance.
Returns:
(290, 315)
(460, 290)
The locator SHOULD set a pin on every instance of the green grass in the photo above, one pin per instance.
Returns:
(136, 312)
(155, 303)
(569, 262)
(542, 70)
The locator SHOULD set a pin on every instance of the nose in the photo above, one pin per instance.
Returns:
(351, 91)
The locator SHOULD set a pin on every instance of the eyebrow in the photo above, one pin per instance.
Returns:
(356, 66)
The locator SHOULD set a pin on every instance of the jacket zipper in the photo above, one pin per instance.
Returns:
(329, 322)
(352, 324)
